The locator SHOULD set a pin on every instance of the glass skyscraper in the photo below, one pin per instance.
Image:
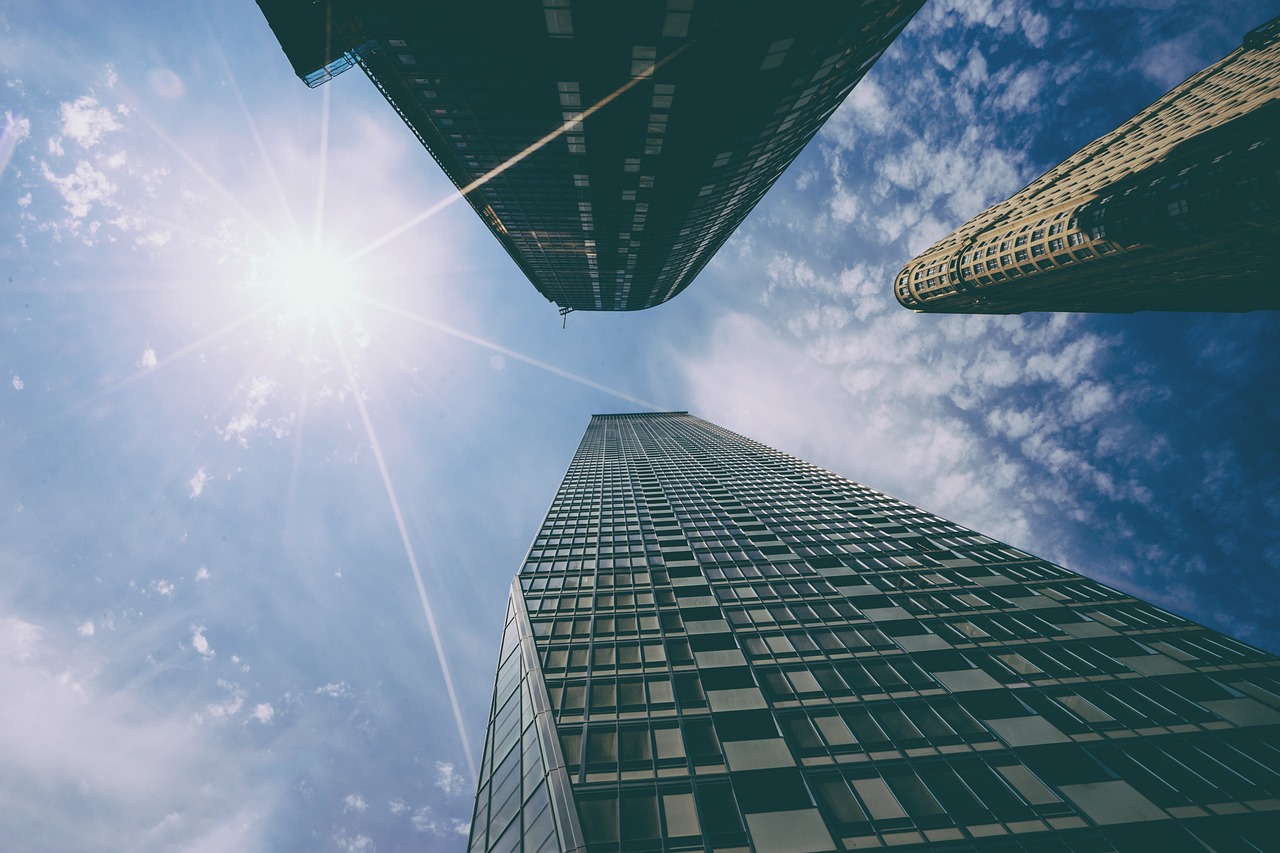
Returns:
(610, 147)
(713, 645)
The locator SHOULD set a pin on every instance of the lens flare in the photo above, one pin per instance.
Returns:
(312, 282)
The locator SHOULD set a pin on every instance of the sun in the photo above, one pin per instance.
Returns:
(310, 281)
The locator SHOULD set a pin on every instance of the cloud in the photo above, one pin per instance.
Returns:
(198, 482)
(163, 588)
(202, 574)
(148, 358)
(200, 643)
(15, 130)
(226, 708)
(85, 629)
(449, 780)
(257, 393)
(354, 803)
(86, 121)
(424, 821)
(334, 690)
(358, 844)
(18, 384)
(81, 188)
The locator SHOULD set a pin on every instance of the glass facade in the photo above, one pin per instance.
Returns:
(716, 646)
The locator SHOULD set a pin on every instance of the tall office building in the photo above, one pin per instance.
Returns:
(1178, 209)
(610, 147)
(716, 646)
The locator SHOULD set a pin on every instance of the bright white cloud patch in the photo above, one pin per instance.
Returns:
(200, 643)
(18, 384)
(202, 574)
(81, 188)
(198, 482)
(85, 629)
(86, 121)
(148, 359)
(354, 803)
(263, 713)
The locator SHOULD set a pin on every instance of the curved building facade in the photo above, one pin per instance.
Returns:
(1178, 209)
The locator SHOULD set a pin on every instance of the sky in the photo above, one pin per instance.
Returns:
(255, 548)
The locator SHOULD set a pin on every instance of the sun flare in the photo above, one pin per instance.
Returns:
(311, 281)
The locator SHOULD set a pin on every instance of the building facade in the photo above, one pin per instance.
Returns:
(611, 148)
(1178, 209)
(716, 646)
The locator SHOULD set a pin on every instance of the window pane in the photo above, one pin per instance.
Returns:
(682, 817)
(599, 819)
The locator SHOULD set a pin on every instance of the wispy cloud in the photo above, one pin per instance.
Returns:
(258, 392)
(449, 780)
(16, 129)
(198, 481)
(201, 643)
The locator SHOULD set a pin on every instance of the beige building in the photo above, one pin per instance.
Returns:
(1178, 209)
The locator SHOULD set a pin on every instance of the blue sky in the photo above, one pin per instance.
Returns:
(213, 499)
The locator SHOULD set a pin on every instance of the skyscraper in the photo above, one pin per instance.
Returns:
(1178, 209)
(611, 148)
(716, 646)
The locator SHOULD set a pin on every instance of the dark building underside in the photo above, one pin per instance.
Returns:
(700, 109)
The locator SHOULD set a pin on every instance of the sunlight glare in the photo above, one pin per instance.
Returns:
(311, 282)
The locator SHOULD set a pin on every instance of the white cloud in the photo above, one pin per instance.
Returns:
(163, 588)
(85, 629)
(354, 803)
(202, 574)
(200, 643)
(81, 188)
(424, 821)
(148, 358)
(18, 384)
(397, 806)
(263, 713)
(258, 393)
(1005, 16)
(198, 482)
(86, 121)
(359, 844)
(15, 130)
(334, 690)
(221, 711)
(449, 780)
